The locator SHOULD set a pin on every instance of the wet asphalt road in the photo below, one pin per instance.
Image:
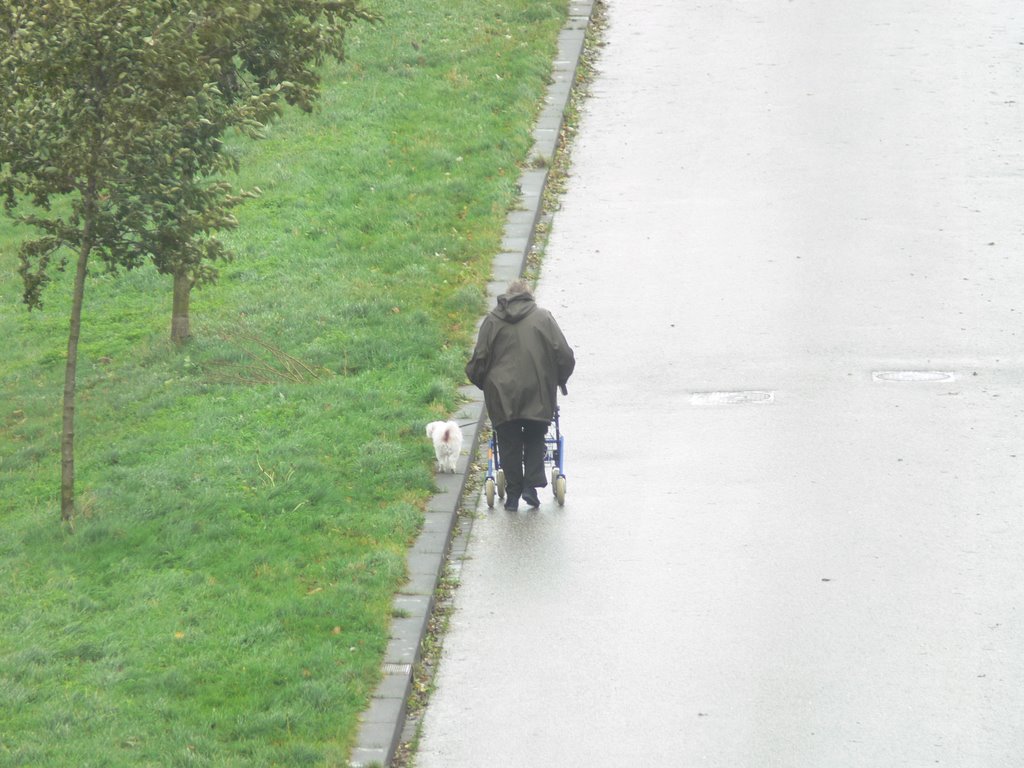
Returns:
(772, 553)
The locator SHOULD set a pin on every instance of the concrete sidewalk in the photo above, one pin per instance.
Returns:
(789, 260)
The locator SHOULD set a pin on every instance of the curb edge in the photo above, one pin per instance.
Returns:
(381, 725)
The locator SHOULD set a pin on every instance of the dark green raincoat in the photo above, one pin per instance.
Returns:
(520, 360)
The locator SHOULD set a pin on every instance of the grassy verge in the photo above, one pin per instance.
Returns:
(245, 503)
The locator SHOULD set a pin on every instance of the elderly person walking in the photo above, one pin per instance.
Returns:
(520, 361)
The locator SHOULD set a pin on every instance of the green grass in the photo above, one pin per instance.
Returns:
(245, 503)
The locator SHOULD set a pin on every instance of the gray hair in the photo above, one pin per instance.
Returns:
(518, 286)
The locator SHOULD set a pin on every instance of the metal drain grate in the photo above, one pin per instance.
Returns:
(391, 668)
(749, 397)
(913, 376)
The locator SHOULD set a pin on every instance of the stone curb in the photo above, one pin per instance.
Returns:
(381, 725)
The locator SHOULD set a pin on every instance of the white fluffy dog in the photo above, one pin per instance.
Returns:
(447, 437)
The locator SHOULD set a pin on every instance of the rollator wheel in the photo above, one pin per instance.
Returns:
(554, 475)
(560, 490)
(501, 483)
(489, 491)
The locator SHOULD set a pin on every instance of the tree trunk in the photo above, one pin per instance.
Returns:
(67, 442)
(180, 331)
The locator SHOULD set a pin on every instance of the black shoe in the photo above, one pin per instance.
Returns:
(511, 504)
(530, 496)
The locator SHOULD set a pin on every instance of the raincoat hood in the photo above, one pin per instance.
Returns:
(513, 308)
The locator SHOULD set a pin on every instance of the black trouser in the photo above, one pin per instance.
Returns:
(521, 445)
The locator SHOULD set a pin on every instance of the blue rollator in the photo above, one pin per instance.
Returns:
(554, 456)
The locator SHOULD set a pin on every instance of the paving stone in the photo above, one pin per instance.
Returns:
(420, 584)
(385, 711)
(435, 541)
(395, 685)
(401, 650)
